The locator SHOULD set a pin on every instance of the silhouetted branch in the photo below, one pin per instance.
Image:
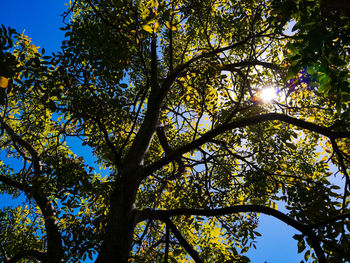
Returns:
(167, 241)
(101, 16)
(108, 141)
(342, 165)
(164, 215)
(193, 253)
(326, 131)
(29, 254)
(16, 138)
(329, 221)
(20, 186)
(241, 64)
(54, 240)
(167, 149)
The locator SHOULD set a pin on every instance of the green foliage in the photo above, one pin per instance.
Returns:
(319, 42)
(166, 96)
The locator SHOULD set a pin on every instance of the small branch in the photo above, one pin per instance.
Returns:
(163, 214)
(329, 221)
(167, 149)
(54, 240)
(305, 229)
(100, 15)
(108, 141)
(342, 165)
(179, 69)
(193, 253)
(171, 48)
(167, 241)
(242, 64)
(20, 186)
(154, 63)
(41, 256)
(246, 83)
(244, 123)
(17, 139)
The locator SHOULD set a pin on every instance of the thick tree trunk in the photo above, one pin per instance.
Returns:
(55, 252)
(120, 227)
(121, 223)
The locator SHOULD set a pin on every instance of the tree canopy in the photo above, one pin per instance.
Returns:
(171, 97)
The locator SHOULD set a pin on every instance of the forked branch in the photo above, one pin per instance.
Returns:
(164, 215)
(250, 121)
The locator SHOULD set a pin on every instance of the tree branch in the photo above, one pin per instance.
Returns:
(20, 186)
(179, 69)
(101, 16)
(16, 138)
(108, 141)
(305, 229)
(163, 214)
(342, 165)
(167, 243)
(54, 240)
(145, 134)
(243, 123)
(329, 221)
(238, 65)
(193, 253)
(167, 149)
(41, 256)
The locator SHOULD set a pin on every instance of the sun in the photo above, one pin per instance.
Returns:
(268, 94)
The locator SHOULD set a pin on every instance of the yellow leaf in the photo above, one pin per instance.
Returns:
(171, 27)
(274, 205)
(147, 28)
(167, 24)
(154, 4)
(4, 82)
(156, 26)
(324, 158)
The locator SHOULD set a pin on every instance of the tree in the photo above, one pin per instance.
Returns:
(321, 44)
(169, 97)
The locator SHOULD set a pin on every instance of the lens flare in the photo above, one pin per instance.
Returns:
(268, 94)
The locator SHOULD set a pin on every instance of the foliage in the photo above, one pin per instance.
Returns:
(321, 45)
(168, 97)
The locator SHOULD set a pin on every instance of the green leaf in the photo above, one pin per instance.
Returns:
(294, 50)
(307, 255)
(301, 245)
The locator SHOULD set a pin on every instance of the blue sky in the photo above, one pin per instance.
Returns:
(41, 21)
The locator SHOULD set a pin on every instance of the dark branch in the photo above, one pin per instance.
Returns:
(41, 256)
(305, 229)
(13, 183)
(179, 69)
(167, 243)
(242, 64)
(16, 138)
(193, 253)
(163, 214)
(329, 221)
(54, 240)
(167, 149)
(342, 165)
(108, 141)
(243, 123)
(150, 122)
(101, 16)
